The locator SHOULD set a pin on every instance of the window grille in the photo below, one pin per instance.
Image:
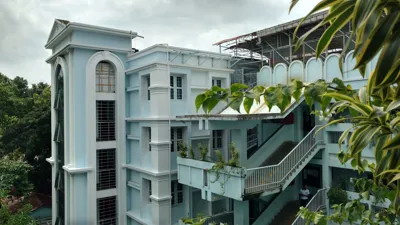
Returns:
(252, 137)
(105, 120)
(150, 190)
(176, 136)
(107, 211)
(176, 190)
(176, 85)
(59, 103)
(105, 77)
(106, 175)
(217, 139)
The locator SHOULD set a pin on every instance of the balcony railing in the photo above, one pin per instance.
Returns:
(225, 218)
(273, 177)
(317, 202)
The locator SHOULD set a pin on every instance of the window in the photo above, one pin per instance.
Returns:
(176, 191)
(105, 120)
(150, 190)
(176, 84)
(105, 77)
(148, 88)
(217, 82)
(217, 139)
(149, 138)
(107, 210)
(252, 138)
(106, 169)
(333, 136)
(176, 136)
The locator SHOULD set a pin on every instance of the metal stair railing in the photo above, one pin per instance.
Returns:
(272, 177)
(317, 202)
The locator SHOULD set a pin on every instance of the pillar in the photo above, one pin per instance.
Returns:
(241, 212)
(161, 201)
(239, 137)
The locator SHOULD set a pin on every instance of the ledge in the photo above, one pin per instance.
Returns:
(50, 160)
(134, 185)
(135, 217)
(156, 174)
(76, 170)
(166, 198)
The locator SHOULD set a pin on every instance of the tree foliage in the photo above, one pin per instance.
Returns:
(374, 109)
(14, 182)
(25, 125)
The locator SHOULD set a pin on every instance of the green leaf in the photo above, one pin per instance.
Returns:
(393, 143)
(375, 41)
(329, 33)
(343, 137)
(395, 178)
(365, 195)
(199, 101)
(247, 103)
(393, 105)
(237, 87)
(236, 103)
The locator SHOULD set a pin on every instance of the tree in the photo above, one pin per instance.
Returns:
(25, 125)
(374, 108)
(14, 181)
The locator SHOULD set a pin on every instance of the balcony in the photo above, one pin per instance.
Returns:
(238, 183)
(228, 182)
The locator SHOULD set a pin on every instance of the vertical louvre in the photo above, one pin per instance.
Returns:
(105, 120)
(252, 137)
(105, 77)
(106, 169)
(107, 211)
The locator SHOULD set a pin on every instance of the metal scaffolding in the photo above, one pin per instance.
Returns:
(275, 45)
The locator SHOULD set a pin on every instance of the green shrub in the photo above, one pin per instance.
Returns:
(182, 149)
(234, 160)
(336, 195)
(203, 151)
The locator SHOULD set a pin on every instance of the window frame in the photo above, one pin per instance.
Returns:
(174, 88)
(177, 196)
(174, 138)
(108, 76)
(217, 135)
(111, 183)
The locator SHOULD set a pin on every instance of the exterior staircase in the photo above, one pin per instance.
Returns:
(278, 170)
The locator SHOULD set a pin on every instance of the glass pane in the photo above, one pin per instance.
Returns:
(179, 81)
(178, 93)
(171, 81)
(171, 94)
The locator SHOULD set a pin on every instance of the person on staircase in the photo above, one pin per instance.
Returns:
(304, 196)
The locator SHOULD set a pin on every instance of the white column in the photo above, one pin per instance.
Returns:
(161, 201)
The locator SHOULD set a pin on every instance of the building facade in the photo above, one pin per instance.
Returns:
(118, 115)
(114, 124)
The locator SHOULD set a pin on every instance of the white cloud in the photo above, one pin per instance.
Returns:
(25, 24)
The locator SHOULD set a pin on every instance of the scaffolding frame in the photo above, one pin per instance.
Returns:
(273, 45)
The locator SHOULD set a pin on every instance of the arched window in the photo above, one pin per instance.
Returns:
(105, 77)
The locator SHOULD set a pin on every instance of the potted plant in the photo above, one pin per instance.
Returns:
(337, 195)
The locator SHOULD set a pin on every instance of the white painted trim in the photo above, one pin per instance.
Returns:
(91, 130)
(106, 144)
(90, 47)
(166, 48)
(290, 69)
(106, 193)
(76, 170)
(134, 185)
(135, 218)
(325, 72)
(105, 96)
(151, 173)
(271, 74)
(87, 27)
(50, 160)
(286, 69)
(308, 62)
(155, 63)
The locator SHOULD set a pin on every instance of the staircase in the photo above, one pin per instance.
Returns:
(275, 178)
(316, 203)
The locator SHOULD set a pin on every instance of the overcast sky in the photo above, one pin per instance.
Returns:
(26, 24)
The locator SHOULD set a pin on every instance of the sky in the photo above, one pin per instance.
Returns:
(26, 24)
